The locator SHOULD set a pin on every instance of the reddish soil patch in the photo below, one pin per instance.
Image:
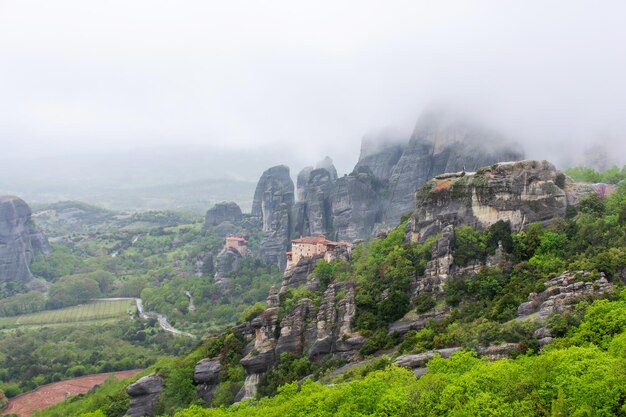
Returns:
(443, 185)
(45, 396)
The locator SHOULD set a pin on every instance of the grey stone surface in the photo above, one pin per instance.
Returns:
(19, 242)
(207, 371)
(356, 205)
(312, 212)
(421, 359)
(442, 142)
(207, 375)
(520, 193)
(272, 207)
(501, 351)
(381, 160)
(228, 260)
(558, 294)
(144, 396)
(221, 212)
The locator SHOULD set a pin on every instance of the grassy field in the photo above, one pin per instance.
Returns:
(85, 313)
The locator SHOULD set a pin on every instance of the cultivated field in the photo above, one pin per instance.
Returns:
(23, 405)
(84, 313)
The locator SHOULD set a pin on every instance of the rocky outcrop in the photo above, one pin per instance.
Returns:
(144, 396)
(312, 211)
(306, 330)
(221, 212)
(272, 208)
(296, 329)
(356, 205)
(560, 295)
(421, 359)
(261, 355)
(415, 321)
(520, 193)
(442, 142)
(19, 242)
(207, 375)
(499, 351)
(560, 292)
(298, 274)
(228, 260)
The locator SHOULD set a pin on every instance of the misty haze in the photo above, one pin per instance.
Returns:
(401, 208)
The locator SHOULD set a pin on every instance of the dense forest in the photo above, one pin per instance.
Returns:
(581, 373)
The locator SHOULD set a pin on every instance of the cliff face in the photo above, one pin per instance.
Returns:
(380, 189)
(518, 192)
(307, 330)
(312, 211)
(19, 242)
(442, 142)
(356, 205)
(272, 208)
(380, 160)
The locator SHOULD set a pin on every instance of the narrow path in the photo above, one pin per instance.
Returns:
(192, 306)
(47, 395)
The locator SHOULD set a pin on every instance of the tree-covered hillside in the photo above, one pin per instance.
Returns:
(579, 370)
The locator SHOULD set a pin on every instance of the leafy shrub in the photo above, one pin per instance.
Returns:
(252, 311)
(423, 303)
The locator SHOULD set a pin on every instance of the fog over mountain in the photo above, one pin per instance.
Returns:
(205, 90)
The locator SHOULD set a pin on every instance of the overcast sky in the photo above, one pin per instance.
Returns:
(81, 76)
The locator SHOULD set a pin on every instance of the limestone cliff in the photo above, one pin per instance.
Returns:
(356, 204)
(442, 142)
(380, 155)
(228, 260)
(312, 211)
(306, 330)
(19, 242)
(272, 208)
(517, 192)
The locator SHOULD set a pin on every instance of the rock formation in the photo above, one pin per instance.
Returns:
(227, 261)
(560, 291)
(517, 192)
(442, 142)
(559, 296)
(221, 212)
(312, 211)
(207, 375)
(304, 331)
(272, 208)
(356, 205)
(19, 242)
(144, 396)
(327, 164)
(380, 155)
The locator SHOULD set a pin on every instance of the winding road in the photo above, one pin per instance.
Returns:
(146, 315)
(165, 325)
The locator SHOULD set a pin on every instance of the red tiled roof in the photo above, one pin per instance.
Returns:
(311, 240)
(237, 239)
(315, 240)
